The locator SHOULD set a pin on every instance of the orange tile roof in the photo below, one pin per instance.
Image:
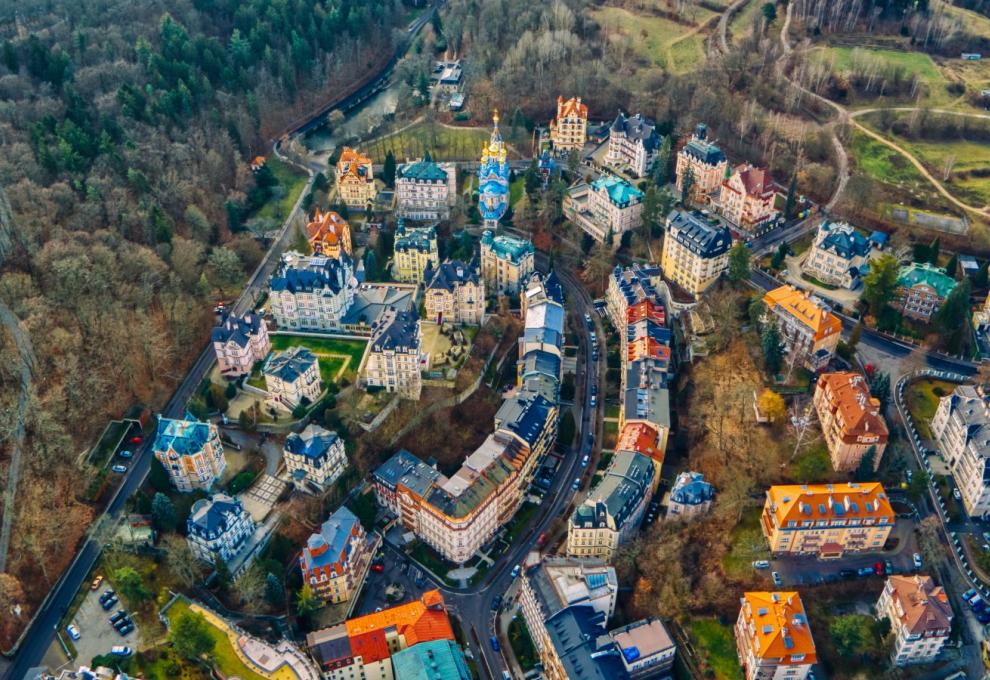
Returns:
(351, 162)
(793, 502)
(859, 412)
(647, 348)
(328, 226)
(780, 627)
(925, 606)
(571, 107)
(642, 438)
(799, 305)
(646, 309)
(418, 621)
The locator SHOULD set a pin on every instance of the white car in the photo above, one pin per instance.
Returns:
(73, 631)
(121, 650)
(761, 564)
(917, 561)
(119, 469)
(956, 494)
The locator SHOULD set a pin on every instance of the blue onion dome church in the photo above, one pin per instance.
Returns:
(493, 178)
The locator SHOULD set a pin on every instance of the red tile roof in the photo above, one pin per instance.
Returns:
(418, 621)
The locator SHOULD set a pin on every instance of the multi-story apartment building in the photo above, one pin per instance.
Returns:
(633, 143)
(850, 418)
(292, 378)
(773, 638)
(329, 234)
(394, 355)
(335, 559)
(362, 647)
(612, 509)
(645, 439)
(921, 290)
(541, 288)
(433, 660)
(569, 130)
(190, 452)
(746, 199)
(628, 286)
(506, 263)
(920, 617)
(645, 398)
(695, 250)
(315, 456)
(704, 163)
(808, 328)
(839, 255)
(455, 294)
(606, 208)
(355, 179)
(827, 520)
(311, 293)
(424, 190)
(561, 582)
(415, 252)
(457, 515)
(645, 648)
(690, 496)
(239, 343)
(218, 527)
(961, 430)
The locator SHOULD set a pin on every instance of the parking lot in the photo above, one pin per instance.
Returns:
(397, 570)
(97, 636)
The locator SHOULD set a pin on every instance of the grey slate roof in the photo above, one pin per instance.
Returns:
(423, 239)
(313, 442)
(210, 516)
(312, 274)
(335, 534)
(410, 471)
(629, 477)
(237, 329)
(843, 240)
(584, 650)
(638, 128)
(696, 233)
(291, 364)
(690, 488)
(399, 331)
(526, 415)
(699, 147)
(454, 273)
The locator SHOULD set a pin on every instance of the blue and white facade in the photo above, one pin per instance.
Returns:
(493, 179)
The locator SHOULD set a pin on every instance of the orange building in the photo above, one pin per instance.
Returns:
(569, 130)
(773, 638)
(329, 234)
(850, 419)
(809, 329)
(355, 179)
(827, 520)
(363, 647)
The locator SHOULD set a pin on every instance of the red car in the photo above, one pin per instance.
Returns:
(377, 568)
(137, 439)
(878, 569)
(541, 540)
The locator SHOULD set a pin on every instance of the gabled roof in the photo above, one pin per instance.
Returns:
(292, 364)
(806, 309)
(313, 442)
(309, 274)
(780, 627)
(328, 226)
(756, 182)
(690, 488)
(641, 438)
(571, 108)
(924, 274)
(184, 437)
(237, 330)
(925, 606)
(507, 247)
(853, 500)
(637, 128)
(398, 331)
(213, 516)
(585, 651)
(422, 171)
(407, 470)
(859, 412)
(423, 239)
(354, 164)
(418, 621)
(842, 239)
(700, 148)
(330, 547)
(627, 480)
(704, 237)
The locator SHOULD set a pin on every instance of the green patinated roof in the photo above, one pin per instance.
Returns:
(423, 171)
(507, 247)
(927, 275)
(620, 191)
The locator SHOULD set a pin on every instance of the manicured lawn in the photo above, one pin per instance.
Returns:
(516, 191)
(916, 63)
(651, 37)
(224, 656)
(332, 353)
(922, 398)
(292, 181)
(522, 644)
(748, 544)
(717, 646)
(443, 143)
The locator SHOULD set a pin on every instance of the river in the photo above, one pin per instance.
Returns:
(355, 123)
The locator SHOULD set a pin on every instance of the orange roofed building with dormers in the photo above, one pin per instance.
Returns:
(773, 638)
(329, 234)
(642, 438)
(569, 130)
(850, 418)
(363, 647)
(355, 179)
(809, 329)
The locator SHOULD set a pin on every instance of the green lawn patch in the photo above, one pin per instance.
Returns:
(922, 397)
(522, 644)
(880, 162)
(443, 143)
(811, 279)
(291, 181)
(224, 656)
(520, 521)
(612, 411)
(655, 38)
(516, 191)
(916, 63)
(716, 645)
(748, 544)
(332, 353)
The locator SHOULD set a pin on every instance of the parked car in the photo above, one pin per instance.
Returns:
(577, 484)
(594, 388)
(125, 630)
(73, 631)
(983, 616)
(777, 581)
(917, 560)
(761, 564)
(136, 439)
(96, 582)
(541, 540)
(594, 400)
(888, 567)
(515, 570)
(584, 461)
(121, 650)
(109, 603)
(956, 494)
(123, 621)
(126, 454)
(121, 614)
(496, 602)
(977, 604)
(969, 595)
(119, 469)
(377, 568)
(864, 571)
(495, 645)
(878, 568)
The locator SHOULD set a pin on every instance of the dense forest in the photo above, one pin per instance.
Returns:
(126, 128)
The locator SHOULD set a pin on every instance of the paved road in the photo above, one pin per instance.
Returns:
(42, 631)
(473, 605)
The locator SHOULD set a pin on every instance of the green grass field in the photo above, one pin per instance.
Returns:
(966, 155)
(716, 644)
(292, 181)
(443, 143)
(748, 544)
(882, 163)
(224, 656)
(653, 38)
(741, 25)
(333, 353)
(917, 63)
(922, 397)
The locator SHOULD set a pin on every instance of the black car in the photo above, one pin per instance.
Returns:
(109, 604)
(496, 602)
(124, 630)
(121, 614)
(121, 623)
(107, 594)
